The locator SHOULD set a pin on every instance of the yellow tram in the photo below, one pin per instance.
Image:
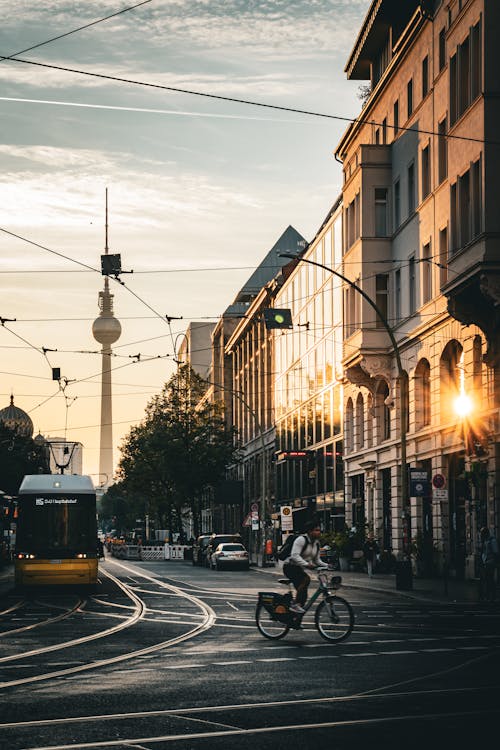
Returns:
(56, 535)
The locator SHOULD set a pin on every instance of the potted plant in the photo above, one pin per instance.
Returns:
(342, 543)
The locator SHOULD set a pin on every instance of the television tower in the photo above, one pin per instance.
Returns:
(106, 329)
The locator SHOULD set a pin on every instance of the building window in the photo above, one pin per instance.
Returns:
(409, 97)
(412, 285)
(396, 117)
(426, 172)
(465, 73)
(384, 130)
(397, 295)
(382, 297)
(442, 151)
(422, 394)
(397, 204)
(426, 273)
(443, 257)
(352, 316)
(360, 422)
(349, 426)
(425, 76)
(383, 412)
(449, 378)
(381, 228)
(411, 189)
(377, 136)
(466, 207)
(442, 48)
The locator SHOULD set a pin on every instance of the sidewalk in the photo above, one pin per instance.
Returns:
(424, 589)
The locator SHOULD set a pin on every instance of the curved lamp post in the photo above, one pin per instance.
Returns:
(401, 372)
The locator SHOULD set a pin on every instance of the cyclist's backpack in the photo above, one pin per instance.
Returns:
(286, 549)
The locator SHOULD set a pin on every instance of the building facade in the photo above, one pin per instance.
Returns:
(421, 240)
(308, 391)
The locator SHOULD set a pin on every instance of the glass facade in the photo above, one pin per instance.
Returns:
(308, 394)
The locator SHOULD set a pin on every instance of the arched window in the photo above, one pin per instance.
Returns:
(404, 395)
(383, 412)
(422, 394)
(449, 375)
(477, 368)
(360, 422)
(349, 426)
(369, 421)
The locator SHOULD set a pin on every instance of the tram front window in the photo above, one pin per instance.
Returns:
(58, 524)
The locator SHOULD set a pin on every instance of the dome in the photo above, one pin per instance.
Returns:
(16, 419)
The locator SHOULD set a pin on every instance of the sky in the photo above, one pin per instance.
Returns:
(199, 189)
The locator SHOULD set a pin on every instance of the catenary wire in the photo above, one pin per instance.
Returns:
(249, 102)
(74, 31)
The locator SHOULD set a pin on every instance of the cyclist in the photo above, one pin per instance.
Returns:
(304, 556)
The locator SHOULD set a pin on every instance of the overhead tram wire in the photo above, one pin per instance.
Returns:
(90, 268)
(248, 102)
(74, 31)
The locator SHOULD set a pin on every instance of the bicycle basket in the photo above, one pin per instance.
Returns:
(276, 604)
(331, 582)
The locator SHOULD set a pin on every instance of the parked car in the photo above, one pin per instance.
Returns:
(217, 539)
(200, 549)
(229, 554)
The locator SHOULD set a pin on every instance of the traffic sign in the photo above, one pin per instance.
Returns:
(439, 481)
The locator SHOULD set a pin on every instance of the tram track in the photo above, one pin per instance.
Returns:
(48, 621)
(260, 718)
(138, 614)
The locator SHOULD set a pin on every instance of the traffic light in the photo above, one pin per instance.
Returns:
(274, 318)
(111, 265)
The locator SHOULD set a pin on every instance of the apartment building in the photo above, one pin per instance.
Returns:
(421, 240)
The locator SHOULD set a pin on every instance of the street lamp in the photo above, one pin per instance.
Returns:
(401, 373)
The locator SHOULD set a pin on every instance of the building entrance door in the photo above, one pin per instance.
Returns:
(458, 495)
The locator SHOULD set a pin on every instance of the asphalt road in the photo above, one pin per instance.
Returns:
(166, 655)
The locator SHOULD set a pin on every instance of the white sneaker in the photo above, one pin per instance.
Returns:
(296, 608)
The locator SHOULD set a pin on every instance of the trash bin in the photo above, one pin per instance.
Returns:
(404, 575)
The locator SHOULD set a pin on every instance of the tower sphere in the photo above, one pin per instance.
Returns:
(106, 330)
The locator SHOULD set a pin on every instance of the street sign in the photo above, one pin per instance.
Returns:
(439, 481)
(419, 483)
(286, 518)
(438, 495)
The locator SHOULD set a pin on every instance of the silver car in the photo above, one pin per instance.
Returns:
(229, 554)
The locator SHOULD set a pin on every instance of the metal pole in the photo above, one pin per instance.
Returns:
(401, 373)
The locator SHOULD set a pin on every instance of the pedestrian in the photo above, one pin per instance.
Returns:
(370, 551)
(488, 562)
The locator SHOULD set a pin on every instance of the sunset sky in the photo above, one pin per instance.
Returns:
(199, 189)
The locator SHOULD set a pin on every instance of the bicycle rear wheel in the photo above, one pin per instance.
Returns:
(269, 628)
(334, 619)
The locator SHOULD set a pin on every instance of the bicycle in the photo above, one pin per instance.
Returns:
(334, 616)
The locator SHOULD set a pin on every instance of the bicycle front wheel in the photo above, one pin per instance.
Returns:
(269, 628)
(334, 619)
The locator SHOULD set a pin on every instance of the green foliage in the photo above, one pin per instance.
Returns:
(181, 448)
(19, 456)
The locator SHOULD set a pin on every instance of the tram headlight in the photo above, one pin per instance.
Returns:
(81, 555)
(25, 556)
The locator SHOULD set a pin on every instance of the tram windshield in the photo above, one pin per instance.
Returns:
(56, 523)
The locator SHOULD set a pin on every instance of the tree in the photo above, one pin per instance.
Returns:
(181, 448)
(19, 455)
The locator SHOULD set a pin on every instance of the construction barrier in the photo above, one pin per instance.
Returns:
(153, 552)
(177, 551)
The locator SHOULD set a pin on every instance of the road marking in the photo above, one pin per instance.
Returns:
(232, 605)
(282, 658)
(229, 663)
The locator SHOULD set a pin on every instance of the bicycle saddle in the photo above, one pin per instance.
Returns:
(284, 580)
